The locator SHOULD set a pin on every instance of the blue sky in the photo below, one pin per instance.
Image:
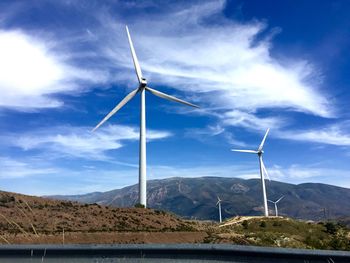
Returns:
(250, 65)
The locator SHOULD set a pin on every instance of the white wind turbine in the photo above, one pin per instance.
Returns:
(263, 170)
(142, 88)
(275, 203)
(219, 204)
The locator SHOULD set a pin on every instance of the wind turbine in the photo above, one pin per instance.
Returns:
(263, 170)
(219, 204)
(142, 88)
(275, 203)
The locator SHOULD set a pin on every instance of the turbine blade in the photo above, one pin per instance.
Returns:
(265, 171)
(270, 201)
(244, 151)
(168, 97)
(280, 199)
(217, 203)
(263, 140)
(134, 57)
(116, 108)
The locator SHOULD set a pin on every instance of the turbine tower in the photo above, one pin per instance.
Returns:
(142, 88)
(275, 203)
(219, 204)
(263, 171)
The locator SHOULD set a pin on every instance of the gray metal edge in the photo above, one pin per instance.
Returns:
(179, 247)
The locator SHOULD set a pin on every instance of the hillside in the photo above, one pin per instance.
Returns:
(281, 232)
(30, 217)
(35, 220)
(196, 198)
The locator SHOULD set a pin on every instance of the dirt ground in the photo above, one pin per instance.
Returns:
(107, 238)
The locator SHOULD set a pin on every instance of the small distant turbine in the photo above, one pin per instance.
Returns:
(263, 171)
(219, 204)
(142, 88)
(275, 203)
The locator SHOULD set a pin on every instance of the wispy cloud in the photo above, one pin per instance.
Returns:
(12, 168)
(211, 134)
(250, 121)
(80, 141)
(226, 59)
(224, 64)
(43, 178)
(335, 134)
(296, 174)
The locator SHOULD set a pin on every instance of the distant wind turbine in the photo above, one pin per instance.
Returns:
(219, 204)
(275, 203)
(141, 89)
(263, 170)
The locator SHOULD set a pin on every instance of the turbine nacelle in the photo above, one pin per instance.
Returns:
(143, 82)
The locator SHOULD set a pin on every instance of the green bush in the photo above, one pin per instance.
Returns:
(314, 242)
(331, 228)
(245, 224)
(263, 224)
(138, 205)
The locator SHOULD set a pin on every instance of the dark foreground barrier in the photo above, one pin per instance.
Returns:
(166, 253)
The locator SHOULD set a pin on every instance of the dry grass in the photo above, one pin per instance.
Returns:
(29, 219)
(34, 220)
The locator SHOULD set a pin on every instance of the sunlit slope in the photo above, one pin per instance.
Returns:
(196, 198)
(28, 214)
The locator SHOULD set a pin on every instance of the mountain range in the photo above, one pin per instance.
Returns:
(196, 198)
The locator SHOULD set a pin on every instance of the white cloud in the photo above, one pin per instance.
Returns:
(336, 134)
(211, 133)
(32, 72)
(250, 121)
(28, 72)
(80, 141)
(12, 168)
(297, 174)
(224, 64)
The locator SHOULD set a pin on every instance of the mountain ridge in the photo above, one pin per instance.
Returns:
(196, 197)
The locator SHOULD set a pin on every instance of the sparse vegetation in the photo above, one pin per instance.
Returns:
(39, 220)
(286, 232)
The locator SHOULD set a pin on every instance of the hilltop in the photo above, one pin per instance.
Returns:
(196, 198)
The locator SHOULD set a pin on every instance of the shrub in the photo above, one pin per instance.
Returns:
(138, 205)
(245, 224)
(339, 243)
(263, 224)
(313, 242)
(277, 223)
(331, 228)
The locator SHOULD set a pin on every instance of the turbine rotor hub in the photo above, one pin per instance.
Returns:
(143, 82)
